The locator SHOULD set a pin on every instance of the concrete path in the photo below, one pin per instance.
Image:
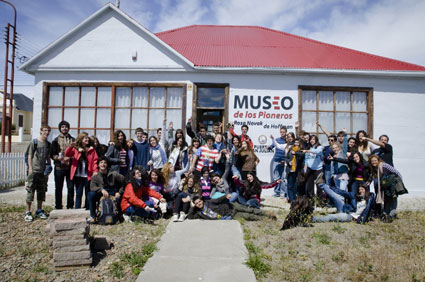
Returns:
(199, 250)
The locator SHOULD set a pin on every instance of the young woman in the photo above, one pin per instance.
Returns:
(205, 182)
(117, 153)
(100, 148)
(339, 169)
(358, 171)
(352, 148)
(157, 155)
(251, 189)
(220, 186)
(388, 197)
(246, 159)
(179, 155)
(314, 163)
(358, 207)
(363, 145)
(222, 149)
(156, 181)
(130, 153)
(83, 166)
(188, 187)
(136, 199)
(193, 148)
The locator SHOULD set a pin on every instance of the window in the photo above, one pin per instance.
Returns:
(335, 108)
(21, 121)
(210, 104)
(102, 108)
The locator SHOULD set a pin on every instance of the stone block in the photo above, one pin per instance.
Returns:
(101, 243)
(70, 263)
(72, 249)
(71, 256)
(77, 231)
(69, 224)
(66, 214)
(69, 237)
(70, 243)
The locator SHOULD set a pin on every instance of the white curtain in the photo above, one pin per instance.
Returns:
(104, 96)
(309, 121)
(157, 98)
(55, 96)
(174, 98)
(55, 116)
(309, 100)
(88, 96)
(139, 118)
(359, 101)
(122, 97)
(326, 100)
(122, 118)
(176, 117)
(359, 122)
(342, 120)
(140, 97)
(87, 118)
(342, 101)
(71, 96)
(156, 117)
(103, 118)
(71, 115)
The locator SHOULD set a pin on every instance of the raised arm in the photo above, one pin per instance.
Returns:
(323, 129)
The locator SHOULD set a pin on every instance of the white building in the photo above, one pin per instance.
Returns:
(111, 73)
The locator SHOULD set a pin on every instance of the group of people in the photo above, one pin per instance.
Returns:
(213, 177)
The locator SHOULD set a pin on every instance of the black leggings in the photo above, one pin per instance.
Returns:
(310, 176)
(179, 205)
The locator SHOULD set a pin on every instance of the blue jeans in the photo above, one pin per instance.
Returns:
(60, 176)
(133, 210)
(338, 217)
(328, 177)
(341, 184)
(390, 205)
(292, 186)
(250, 203)
(279, 173)
(81, 186)
(336, 199)
(234, 197)
(94, 197)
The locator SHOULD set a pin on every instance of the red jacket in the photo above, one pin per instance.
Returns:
(73, 153)
(242, 137)
(135, 199)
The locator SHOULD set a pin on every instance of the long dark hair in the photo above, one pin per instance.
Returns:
(160, 180)
(253, 187)
(145, 178)
(317, 143)
(366, 196)
(182, 133)
(358, 142)
(118, 144)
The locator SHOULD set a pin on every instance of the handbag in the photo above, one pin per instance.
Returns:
(393, 185)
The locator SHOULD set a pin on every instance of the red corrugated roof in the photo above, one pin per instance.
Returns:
(253, 46)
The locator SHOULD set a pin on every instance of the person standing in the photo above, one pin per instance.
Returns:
(142, 148)
(278, 165)
(62, 165)
(38, 156)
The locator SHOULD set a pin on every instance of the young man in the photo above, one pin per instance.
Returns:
(205, 157)
(105, 184)
(38, 156)
(62, 165)
(327, 151)
(278, 165)
(202, 134)
(385, 150)
(141, 145)
(244, 136)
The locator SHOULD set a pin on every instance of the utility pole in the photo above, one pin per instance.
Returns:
(8, 81)
(117, 3)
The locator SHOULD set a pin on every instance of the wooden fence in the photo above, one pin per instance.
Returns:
(12, 169)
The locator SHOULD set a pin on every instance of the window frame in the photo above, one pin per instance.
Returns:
(114, 86)
(334, 89)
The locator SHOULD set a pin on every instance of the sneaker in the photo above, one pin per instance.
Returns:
(41, 214)
(126, 218)
(276, 195)
(163, 207)
(28, 217)
(90, 220)
(175, 218)
(182, 217)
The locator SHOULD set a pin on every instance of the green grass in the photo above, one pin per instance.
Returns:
(117, 270)
(41, 268)
(338, 229)
(255, 260)
(321, 238)
(137, 260)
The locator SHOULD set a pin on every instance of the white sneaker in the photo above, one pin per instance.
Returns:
(163, 207)
(182, 217)
(28, 217)
(175, 218)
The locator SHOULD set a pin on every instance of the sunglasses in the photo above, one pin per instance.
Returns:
(331, 140)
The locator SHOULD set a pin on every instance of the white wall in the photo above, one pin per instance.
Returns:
(398, 104)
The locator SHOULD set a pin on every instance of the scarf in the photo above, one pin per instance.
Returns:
(294, 159)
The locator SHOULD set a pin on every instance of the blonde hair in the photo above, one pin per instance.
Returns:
(166, 173)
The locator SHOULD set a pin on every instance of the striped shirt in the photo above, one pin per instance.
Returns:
(206, 158)
(206, 189)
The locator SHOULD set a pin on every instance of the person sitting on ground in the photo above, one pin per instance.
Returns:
(221, 209)
(106, 183)
(358, 207)
(188, 187)
(38, 156)
(220, 186)
(251, 189)
(136, 198)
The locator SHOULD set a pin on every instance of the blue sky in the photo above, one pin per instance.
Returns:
(388, 28)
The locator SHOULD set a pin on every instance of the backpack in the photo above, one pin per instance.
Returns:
(108, 213)
(48, 169)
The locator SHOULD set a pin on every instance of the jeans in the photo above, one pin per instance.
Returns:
(179, 205)
(81, 185)
(390, 205)
(338, 217)
(338, 200)
(94, 197)
(292, 186)
(355, 187)
(279, 173)
(60, 176)
(341, 184)
(250, 203)
(328, 177)
(133, 210)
